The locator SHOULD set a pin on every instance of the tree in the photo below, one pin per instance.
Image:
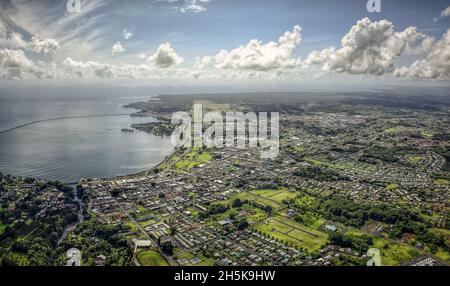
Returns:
(237, 203)
(243, 224)
(268, 209)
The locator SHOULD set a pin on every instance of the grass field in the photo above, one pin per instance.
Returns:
(415, 159)
(442, 182)
(250, 196)
(392, 253)
(293, 233)
(132, 226)
(180, 254)
(317, 223)
(193, 159)
(151, 258)
(205, 262)
(404, 129)
(391, 187)
(275, 195)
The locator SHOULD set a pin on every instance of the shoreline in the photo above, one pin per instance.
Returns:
(131, 114)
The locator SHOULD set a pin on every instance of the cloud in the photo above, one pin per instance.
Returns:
(13, 63)
(165, 57)
(88, 69)
(14, 40)
(368, 48)
(97, 69)
(126, 34)
(43, 46)
(435, 65)
(79, 35)
(444, 13)
(258, 56)
(194, 6)
(117, 49)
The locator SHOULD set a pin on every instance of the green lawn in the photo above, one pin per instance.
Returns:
(253, 214)
(181, 254)
(391, 187)
(141, 208)
(151, 258)
(132, 226)
(317, 223)
(293, 233)
(442, 182)
(392, 253)
(415, 159)
(205, 262)
(285, 195)
(250, 196)
(193, 159)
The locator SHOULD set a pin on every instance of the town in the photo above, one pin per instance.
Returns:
(353, 177)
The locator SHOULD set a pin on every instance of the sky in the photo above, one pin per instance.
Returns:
(215, 41)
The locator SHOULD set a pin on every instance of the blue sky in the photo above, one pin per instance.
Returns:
(195, 29)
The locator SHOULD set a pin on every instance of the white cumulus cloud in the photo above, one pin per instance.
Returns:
(43, 46)
(368, 48)
(15, 40)
(444, 13)
(14, 63)
(258, 56)
(165, 57)
(117, 49)
(435, 65)
(194, 6)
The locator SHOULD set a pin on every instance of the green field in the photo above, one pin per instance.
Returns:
(193, 159)
(151, 258)
(391, 187)
(444, 182)
(132, 226)
(251, 213)
(275, 195)
(415, 159)
(293, 233)
(181, 254)
(405, 130)
(249, 196)
(392, 253)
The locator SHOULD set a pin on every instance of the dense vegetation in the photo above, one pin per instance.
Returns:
(33, 224)
(94, 238)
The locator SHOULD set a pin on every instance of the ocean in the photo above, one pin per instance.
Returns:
(70, 133)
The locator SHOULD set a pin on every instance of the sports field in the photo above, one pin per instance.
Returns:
(293, 233)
